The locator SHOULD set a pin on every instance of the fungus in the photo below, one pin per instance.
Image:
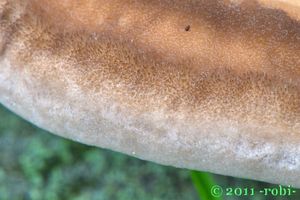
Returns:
(224, 99)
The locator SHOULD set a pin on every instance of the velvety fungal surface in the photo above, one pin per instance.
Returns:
(212, 85)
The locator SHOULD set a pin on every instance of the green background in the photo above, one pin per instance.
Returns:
(35, 164)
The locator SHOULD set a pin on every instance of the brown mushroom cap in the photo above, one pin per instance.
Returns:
(201, 84)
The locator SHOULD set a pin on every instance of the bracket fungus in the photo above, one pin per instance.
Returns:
(212, 85)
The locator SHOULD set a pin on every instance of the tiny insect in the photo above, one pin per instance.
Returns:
(187, 28)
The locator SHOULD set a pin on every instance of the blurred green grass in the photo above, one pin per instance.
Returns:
(35, 164)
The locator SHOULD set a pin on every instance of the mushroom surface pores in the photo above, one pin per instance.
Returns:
(212, 85)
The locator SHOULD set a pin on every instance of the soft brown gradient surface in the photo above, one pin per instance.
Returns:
(222, 95)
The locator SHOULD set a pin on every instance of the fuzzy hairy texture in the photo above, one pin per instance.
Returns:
(211, 85)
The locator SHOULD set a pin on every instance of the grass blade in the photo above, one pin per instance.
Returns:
(203, 182)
